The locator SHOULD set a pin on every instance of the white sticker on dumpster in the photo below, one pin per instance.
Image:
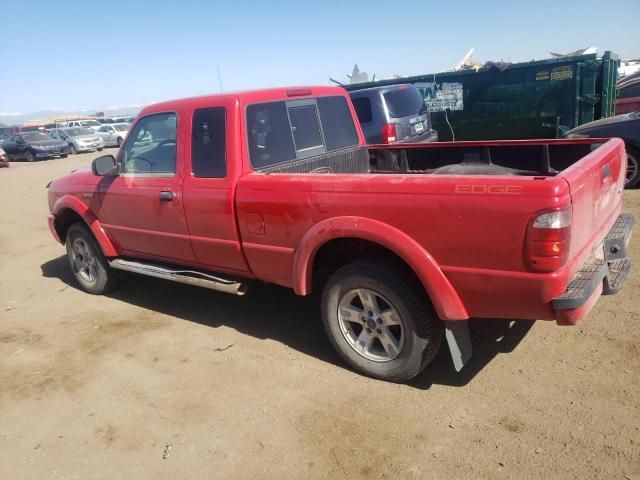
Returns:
(441, 96)
(562, 73)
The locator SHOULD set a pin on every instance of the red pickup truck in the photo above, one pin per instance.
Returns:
(406, 242)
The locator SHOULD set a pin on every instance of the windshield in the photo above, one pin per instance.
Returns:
(121, 128)
(76, 132)
(404, 102)
(90, 123)
(35, 137)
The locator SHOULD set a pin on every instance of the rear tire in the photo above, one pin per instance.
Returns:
(29, 157)
(88, 264)
(633, 173)
(394, 333)
(119, 142)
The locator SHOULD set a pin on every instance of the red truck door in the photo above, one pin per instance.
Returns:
(209, 185)
(142, 207)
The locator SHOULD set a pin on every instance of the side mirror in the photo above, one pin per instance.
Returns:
(104, 165)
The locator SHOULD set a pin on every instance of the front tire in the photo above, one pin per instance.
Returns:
(72, 149)
(379, 319)
(119, 141)
(29, 156)
(633, 173)
(88, 264)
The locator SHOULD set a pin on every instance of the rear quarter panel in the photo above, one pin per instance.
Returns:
(474, 227)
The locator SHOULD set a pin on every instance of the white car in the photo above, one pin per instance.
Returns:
(113, 134)
(92, 124)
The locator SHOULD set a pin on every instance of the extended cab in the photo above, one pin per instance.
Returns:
(406, 242)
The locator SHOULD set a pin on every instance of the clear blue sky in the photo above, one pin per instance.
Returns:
(96, 54)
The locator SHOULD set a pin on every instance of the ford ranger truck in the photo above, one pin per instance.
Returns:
(405, 242)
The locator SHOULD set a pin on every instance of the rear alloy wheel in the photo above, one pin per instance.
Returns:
(633, 174)
(379, 319)
(371, 325)
(72, 149)
(88, 265)
(29, 156)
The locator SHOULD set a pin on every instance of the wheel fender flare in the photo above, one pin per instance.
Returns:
(73, 203)
(445, 299)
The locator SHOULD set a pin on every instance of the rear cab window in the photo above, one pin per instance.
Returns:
(282, 131)
(404, 101)
(208, 143)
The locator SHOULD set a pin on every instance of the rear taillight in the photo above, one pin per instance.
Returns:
(548, 239)
(388, 133)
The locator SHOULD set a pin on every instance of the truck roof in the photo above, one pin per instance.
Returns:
(247, 97)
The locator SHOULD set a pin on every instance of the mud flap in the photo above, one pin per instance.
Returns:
(459, 340)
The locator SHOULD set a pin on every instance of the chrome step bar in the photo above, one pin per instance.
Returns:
(190, 277)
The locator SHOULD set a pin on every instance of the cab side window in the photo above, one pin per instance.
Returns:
(208, 143)
(151, 146)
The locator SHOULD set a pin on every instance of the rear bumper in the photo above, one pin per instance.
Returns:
(602, 274)
(89, 148)
(426, 137)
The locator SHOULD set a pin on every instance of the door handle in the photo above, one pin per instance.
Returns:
(166, 196)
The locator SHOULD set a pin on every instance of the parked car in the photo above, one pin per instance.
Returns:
(626, 127)
(628, 99)
(113, 134)
(4, 159)
(92, 124)
(393, 114)
(80, 139)
(405, 243)
(33, 146)
(124, 119)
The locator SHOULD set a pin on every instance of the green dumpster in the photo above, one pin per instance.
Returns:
(541, 99)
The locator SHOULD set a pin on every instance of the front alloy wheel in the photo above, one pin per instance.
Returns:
(87, 262)
(84, 261)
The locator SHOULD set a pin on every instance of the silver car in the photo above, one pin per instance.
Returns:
(113, 134)
(79, 139)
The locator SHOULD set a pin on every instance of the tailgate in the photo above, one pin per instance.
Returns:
(596, 183)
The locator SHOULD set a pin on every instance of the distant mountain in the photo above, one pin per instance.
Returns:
(19, 118)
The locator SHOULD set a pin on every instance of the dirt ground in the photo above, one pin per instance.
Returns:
(164, 381)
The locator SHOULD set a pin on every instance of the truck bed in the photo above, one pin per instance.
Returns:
(468, 204)
(523, 158)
